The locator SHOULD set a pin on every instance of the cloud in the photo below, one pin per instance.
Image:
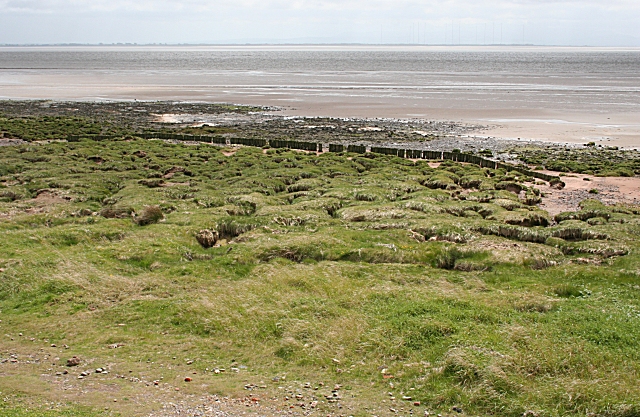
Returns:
(83, 6)
(594, 21)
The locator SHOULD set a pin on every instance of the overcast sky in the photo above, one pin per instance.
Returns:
(542, 22)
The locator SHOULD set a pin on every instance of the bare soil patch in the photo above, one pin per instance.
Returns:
(609, 190)
(47, 198)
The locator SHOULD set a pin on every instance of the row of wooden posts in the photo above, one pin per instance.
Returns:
(319, 147)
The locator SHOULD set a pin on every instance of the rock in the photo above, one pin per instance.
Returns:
(207, 238)
(99, 370)
(406, 398)
(457, 409)
(75, 361)
(416, 403)
(188, 379)
(189, 362)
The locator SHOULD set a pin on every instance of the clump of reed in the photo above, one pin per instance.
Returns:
(230, 228)
(454, 258)
(149, 215)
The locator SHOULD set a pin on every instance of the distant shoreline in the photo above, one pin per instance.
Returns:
(339, 46)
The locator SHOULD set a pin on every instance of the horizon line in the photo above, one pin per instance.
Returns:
(134, 44)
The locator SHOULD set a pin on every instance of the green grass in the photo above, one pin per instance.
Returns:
(333, 268)
(606, 162)
(53, 127)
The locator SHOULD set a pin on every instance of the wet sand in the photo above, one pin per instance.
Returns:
(506, 115)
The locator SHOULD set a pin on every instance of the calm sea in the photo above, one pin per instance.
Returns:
(618, 63)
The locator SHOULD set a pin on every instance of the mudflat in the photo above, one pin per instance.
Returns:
(565, 95)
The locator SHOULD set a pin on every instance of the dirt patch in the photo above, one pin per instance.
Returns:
(579, 187)
(48, 198)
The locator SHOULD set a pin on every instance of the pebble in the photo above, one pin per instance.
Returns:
(188, 379)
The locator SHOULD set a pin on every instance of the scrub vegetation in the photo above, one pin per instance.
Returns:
(272, 273)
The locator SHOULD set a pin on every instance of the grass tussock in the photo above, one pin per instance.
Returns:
(344, 269)
(149, 215)
(461, 260)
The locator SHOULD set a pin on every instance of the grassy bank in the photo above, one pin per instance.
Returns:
(255, 272)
